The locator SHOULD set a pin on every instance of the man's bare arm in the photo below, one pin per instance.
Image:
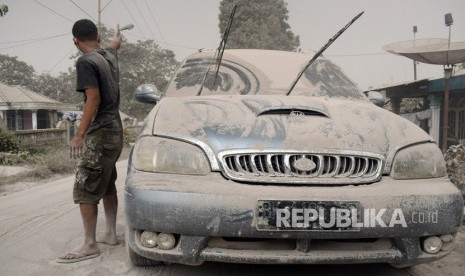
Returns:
(116, 43)
(90, 108)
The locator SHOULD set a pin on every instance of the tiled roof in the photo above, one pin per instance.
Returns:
(17, 97)
(18, 94)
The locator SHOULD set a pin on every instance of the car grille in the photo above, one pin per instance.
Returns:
(302, 168)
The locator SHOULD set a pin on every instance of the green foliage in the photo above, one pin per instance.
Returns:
(455, 163)
(61, 88)
(139, 63)
(411, 105)
(11, 152)
(129, 136)
(258, 24)
(8, 141)
(15, 72)
(143, 62)
(3, 9)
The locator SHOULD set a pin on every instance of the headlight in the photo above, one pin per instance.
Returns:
(153, 154)
(417, 162)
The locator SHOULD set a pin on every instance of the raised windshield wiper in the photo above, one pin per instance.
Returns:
(219, 51)
(317, 54)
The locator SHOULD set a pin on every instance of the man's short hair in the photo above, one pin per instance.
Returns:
(85, 30)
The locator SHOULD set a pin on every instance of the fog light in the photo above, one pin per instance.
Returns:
(432, 245)
(148, 239)
(166, 241)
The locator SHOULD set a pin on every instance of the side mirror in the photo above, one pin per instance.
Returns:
(376, 98)
(147, 93)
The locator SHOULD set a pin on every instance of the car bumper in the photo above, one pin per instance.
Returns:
(215, 219)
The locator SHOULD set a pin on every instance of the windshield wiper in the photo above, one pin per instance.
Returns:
(219, 51)
(317, 54)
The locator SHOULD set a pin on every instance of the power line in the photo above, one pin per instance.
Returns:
(154, 21)
(106, 5)
(35, 41)
(143, 18)
(133, 20)
(57, 13)
(82, 10)
(61, 60)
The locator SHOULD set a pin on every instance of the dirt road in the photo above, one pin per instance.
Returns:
(41, 223)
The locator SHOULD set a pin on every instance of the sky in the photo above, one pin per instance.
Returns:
(38, 32)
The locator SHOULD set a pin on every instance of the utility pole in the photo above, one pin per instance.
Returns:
(415, 29)
(447, 75)
(99, 13)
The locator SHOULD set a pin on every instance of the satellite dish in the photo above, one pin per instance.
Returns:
(430, 50)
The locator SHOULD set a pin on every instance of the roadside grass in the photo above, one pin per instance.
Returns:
(46, 163)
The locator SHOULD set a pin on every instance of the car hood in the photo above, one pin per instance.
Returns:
(293, 123)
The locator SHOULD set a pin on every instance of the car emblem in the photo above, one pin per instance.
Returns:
(304, 164)
(297, 113)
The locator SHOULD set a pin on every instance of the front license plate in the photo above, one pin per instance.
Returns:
(278, 215)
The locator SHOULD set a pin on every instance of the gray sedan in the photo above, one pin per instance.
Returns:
(234, 166)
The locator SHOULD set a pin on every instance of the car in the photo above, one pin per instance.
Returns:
(232, 165)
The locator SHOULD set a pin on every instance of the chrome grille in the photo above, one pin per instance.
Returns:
(340, 168)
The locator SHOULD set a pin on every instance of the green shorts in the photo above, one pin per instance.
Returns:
(96, 171)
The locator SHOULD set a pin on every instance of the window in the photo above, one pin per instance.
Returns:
(11, 119)
(457, 124)
(461, 124)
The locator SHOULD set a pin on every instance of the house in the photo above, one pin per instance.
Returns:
(23, 109)
(32, 117)
(432, 91)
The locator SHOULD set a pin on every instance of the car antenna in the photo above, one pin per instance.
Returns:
(219, 51)
(317, 54)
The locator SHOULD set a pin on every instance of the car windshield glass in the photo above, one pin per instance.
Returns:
(262, 76)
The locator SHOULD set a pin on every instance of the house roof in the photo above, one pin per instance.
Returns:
(424, 87)
(17, 97)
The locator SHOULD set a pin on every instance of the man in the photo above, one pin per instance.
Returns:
(98, 141)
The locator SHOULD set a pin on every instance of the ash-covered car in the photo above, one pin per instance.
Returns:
(235, 166)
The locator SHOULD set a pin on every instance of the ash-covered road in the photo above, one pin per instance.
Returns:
(41, 223)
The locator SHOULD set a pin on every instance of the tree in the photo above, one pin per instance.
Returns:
(139, 63)
(3, 9)
(258, 24)
(143, 62)
(15, 72)
(61, 88)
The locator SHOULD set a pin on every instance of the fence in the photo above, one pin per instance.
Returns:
(41, 137)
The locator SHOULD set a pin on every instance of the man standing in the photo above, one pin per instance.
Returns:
(98, 141)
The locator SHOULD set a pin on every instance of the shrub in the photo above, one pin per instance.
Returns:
(8, 142)
(129, 136)
(455, 162)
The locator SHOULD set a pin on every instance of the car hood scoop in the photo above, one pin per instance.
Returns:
(292, 112)
(263, 106)
(294, 123)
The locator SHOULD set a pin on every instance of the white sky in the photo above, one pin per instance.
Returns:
(187, 25)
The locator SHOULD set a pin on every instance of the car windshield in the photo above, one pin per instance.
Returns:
(254, 72)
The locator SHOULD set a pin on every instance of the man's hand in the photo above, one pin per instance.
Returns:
(90, 108)
(117, 39)
(75, 147)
